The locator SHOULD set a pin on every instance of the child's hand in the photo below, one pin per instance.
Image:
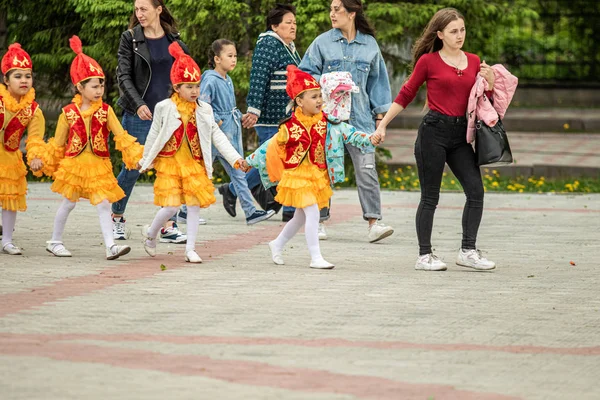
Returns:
(36, 164)
(378, 137)
(244, 165)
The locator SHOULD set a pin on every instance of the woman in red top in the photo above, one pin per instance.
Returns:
(450, 74)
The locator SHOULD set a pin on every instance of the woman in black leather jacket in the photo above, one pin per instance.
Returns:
(143, 73)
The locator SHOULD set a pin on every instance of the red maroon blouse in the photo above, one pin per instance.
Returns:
(447, 92)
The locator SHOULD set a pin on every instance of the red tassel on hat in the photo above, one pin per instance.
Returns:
(83, 66)
(184, 69)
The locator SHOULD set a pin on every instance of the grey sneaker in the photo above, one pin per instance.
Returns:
(430, 262)
(473, 259)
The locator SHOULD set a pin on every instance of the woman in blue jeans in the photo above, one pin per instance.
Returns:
(351, 46)
(267, 99)
(144, 67)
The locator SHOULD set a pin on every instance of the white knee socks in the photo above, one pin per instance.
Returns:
(9, 218)
(162, 216)
(308, 216)
(106, 223)
(193, 216)
(60, 220)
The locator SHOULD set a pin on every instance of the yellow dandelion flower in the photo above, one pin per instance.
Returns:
(566, 126)
(495, 184)
(452, 182)
(408, 167)
(402, 187)
(346, 179)
(150, 173)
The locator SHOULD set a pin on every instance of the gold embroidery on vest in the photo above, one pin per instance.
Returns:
(320, 154)
(195, 146)
(297, 156)
(72, 117)
(1, 109)
(76, 144)
(101, 115)
(321, 128)
(99, 142)
(24, 116)
(296, 131)
(13, 141)
(171, 145)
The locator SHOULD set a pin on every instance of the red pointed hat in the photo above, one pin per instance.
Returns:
(15, 58)
(83, 66)
(299, 81)
(184, 69)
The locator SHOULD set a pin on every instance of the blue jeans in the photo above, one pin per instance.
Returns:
(264, 133)
(240, 185)
(127, 178)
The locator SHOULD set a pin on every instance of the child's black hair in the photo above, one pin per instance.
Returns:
(85, 82)
(215, 49)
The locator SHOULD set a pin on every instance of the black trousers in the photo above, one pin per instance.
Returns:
(441, 140)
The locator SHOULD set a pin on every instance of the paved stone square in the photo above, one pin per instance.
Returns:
(240, 327)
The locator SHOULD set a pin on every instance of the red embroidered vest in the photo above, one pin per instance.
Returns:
(16, 126)
(176, 140)
(300, 142)
(78, 135)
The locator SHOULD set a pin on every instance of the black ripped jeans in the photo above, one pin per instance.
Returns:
(441, 140)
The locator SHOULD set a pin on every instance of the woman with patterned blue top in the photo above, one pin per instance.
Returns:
(267, 99)
(351, 46)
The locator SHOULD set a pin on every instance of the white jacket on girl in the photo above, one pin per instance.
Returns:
(166, 120)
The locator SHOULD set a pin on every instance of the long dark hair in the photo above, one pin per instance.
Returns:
(167, 21)
(361, 22)
(215, 50)
(429, 42)
(275, 16)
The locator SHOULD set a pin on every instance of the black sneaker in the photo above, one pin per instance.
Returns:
(258, 216)
(287, 215)
(229, 199)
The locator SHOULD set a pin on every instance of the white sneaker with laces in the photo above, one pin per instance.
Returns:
(322, 233)
(119, 229)
(192, 257)
(430, 262)
(473, 259)
(379, 231)
(148, 242)
(321, 264)
(276, 254)
(57, 248)
(11, 249)
(172, 235)
(115, 251)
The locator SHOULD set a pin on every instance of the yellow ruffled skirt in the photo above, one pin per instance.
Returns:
(87, 176)
(303, 186)
(13, 181)
(182, 180)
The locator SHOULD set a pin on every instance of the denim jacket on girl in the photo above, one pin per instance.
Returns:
(338, 134)
(331, 52)
(219, 93)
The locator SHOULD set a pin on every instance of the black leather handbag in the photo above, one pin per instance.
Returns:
(491, 144)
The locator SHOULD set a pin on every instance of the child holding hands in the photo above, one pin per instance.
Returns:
(306, 156)
(179, 148)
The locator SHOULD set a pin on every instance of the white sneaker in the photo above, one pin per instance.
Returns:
(276, 254)
(379, 231)
(57, 248)
(148, 242)
(182, 219)
(321, 264)
(473, 259)
(192, 257)
(116, 251)
(11, 249)
(430, 262)
(119, 229)
(322, 233)
(172, 235)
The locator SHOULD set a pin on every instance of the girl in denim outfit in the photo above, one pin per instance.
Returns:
(351, 46)
(216, 88)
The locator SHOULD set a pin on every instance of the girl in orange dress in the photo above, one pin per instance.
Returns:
(80, 152)
(18, 112)
(179, 148)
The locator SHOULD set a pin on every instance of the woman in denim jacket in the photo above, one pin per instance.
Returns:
(351, 46)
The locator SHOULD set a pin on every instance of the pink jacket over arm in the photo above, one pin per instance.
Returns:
(480, 108)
